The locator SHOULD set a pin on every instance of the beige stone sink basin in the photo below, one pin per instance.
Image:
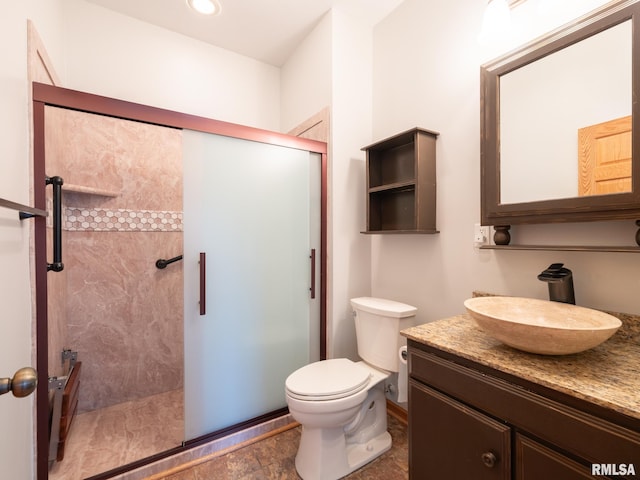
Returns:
(540, 326)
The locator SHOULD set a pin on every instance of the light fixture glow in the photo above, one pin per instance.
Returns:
(496, 22)
(546, 7)
(205, 7)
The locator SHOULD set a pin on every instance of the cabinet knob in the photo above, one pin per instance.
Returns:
(22, 384)
(489, 459)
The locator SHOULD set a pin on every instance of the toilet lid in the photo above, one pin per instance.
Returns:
(327, 380)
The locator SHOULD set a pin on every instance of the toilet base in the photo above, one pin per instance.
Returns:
(331, 453)
(361, 454)
(337, 459)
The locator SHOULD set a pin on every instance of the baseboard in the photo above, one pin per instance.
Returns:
(397, 412)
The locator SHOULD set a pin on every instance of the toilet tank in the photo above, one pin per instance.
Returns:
(378, 324)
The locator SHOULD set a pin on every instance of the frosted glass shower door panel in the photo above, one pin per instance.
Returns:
(247, 206)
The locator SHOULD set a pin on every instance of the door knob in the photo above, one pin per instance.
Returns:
(22, 384)
(489, 459)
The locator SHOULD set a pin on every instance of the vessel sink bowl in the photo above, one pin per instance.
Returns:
(540, 326)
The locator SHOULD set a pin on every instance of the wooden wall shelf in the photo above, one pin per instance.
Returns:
(401, 183)
(399, 232)
(564, 248)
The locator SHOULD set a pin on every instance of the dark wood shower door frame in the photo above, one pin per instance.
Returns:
(47, 95)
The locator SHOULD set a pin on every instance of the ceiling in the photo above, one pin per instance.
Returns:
(266, 30)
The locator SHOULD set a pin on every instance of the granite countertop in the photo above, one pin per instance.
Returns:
(607, 375)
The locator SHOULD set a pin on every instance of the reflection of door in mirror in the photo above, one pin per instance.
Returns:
(543, 103)
(604, 157)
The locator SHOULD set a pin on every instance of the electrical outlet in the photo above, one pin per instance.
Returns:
(480, 234)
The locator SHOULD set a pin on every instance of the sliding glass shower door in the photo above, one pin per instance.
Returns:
(251, 223)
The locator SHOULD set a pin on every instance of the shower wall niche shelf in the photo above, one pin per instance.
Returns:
(401, 183)
(89, 190)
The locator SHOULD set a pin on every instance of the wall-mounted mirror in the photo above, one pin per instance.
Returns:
(558, 125)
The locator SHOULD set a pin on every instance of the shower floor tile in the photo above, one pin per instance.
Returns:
(273, 458)
(104, 439)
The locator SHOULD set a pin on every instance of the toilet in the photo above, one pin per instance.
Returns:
(340, 403)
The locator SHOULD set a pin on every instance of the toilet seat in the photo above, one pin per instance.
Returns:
(327, 380)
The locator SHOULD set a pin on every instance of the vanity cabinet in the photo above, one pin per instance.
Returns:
(401, 183)
(465, 422)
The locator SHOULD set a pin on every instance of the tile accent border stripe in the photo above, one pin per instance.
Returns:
(78, 219)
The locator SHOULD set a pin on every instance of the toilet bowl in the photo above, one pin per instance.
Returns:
(340, 403)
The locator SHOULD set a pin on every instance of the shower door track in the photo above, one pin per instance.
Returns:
(48, 95)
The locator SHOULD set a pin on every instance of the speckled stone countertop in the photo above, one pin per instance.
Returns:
(607, 375)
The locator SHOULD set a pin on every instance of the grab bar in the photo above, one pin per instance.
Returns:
(23, 210)
(162, 263)
(57, 265)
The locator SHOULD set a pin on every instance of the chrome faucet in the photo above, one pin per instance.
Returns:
(560, 281)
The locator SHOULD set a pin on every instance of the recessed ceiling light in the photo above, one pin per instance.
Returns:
(206, 7)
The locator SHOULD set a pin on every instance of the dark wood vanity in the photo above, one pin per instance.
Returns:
(472, 418)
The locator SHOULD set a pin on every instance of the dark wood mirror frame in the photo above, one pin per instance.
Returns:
(578, 209)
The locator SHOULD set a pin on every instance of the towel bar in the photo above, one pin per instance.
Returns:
(23, 210)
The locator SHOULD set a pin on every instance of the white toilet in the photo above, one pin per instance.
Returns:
(340, 403)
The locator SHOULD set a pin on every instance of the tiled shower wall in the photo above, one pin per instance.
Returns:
(122, 211)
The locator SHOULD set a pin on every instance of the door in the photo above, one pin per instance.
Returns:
(447, 439)
(251, 222)
(604, 158)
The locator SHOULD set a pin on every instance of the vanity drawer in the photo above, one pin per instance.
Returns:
(534, 461)
(593, 439)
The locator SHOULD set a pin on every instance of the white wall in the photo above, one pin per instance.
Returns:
(17, 446)
(352, 49)
(333, 67)
(426, 73)
(305, 80)
(118, 56)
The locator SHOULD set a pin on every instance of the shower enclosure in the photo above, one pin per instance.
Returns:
(252, 243)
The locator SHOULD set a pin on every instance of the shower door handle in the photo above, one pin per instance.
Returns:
(203, 283)
(57, 265)
(313, 273)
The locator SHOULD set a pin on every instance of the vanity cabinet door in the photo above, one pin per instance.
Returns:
(449, 440)
(537, 462)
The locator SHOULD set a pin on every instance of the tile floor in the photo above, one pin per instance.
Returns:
(273, 458)
(102, 440)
